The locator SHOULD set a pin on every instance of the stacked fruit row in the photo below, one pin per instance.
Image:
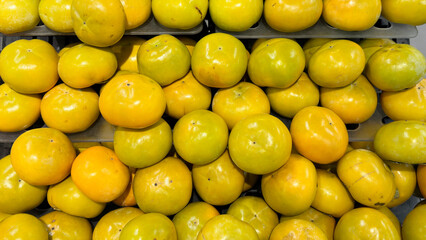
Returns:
(67, 16)
(178, 76)
(214, 150)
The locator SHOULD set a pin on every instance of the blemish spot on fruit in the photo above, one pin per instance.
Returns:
(312, 220)
(155, 184)
(183, 81)
(84, 22)
(51, 140)
(119, 230)
(128, 84)
(255, 215)
(369, 199)
(111, 158)
(53, 228)
(330, 123)
(379, 204)
(273, 5)
(199, 11)
(28, 50)
(208, 179)
(220, 48)
(20, 180)
(171, 181)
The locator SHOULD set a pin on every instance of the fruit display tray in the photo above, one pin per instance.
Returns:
(382, 29)
(150, 27)
(102, 131)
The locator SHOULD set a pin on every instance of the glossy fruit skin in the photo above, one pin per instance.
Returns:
(367, 178)
(111, 224)
(99, 23)
(336, 63)
(365, 223)
(17, 111)
(223, 14)
(319, 134)
(291, 189)
(240, 101)
(405, 180)
(292, 16)
(311, 46)
(132, 101)
(163, 58)
(332, 197)
(3, 216)
(18, 16)
(149, 226)
(200, 136)
(405, 11)
(392, 217)
(421, 179)
(255, 212)
(42, 156)
(56, 15)
(356, 15)
(396, 67)
(23, 226)
(226, 226)
(29, 66)
(260, 144)
(413, 227)
(68, 109)
(219, 60)
(83, 65)
(186, 95)
(126, 51)
(190, 220)
(408, 104)
(402, 141)
(165, 187)
(99, 174)
(325, 222)
(179, 14)
(372, 45)
(144, 147)
(297, 229)
(65, 196)
(137, 12)
(219, 182)
(17, 195)
(288, 101)
(277, 62)
(354, 103)
(63, 226)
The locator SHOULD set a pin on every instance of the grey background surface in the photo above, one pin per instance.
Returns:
(420, 41)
